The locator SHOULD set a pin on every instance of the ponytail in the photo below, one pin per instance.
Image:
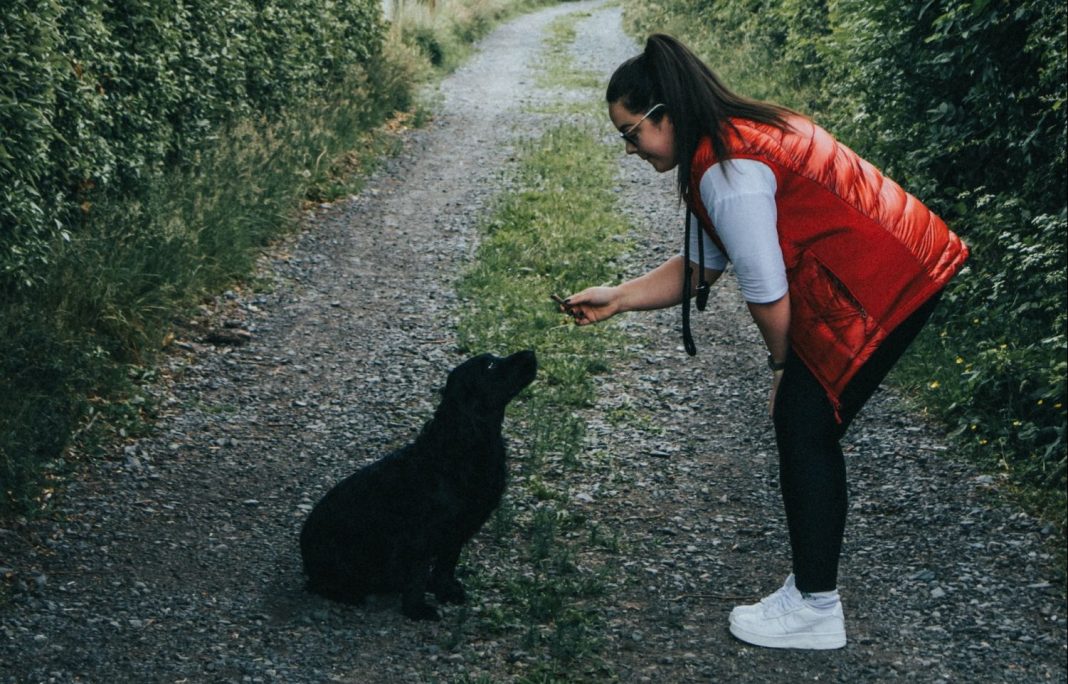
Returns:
(699, 103)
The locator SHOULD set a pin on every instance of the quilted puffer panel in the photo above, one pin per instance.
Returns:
(861, 253)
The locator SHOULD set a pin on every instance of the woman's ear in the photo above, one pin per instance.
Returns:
(666, 126)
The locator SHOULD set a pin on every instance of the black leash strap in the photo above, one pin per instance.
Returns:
(687, 277)
(702, 286)
(687, 283)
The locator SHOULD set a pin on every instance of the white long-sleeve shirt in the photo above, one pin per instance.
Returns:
(741, 204)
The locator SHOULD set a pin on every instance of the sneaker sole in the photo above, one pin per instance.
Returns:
(810, 642)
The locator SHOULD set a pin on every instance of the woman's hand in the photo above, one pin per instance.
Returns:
(593, 305)
(659, 288)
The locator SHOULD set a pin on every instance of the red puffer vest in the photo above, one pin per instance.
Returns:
(861, 254)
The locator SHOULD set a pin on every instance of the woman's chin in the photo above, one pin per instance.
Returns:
(660, 165)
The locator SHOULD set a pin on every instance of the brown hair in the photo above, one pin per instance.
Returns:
(699, 103)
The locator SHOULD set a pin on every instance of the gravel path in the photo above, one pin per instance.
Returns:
(175, 559)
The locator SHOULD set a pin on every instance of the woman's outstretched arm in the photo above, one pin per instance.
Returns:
(657, 289)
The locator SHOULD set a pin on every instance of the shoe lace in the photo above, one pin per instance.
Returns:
(779, 594)
(782, 601)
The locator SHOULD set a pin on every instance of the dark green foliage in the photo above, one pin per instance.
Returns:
(43, 383)
(99, 98)
(29, 71)
(429, 42)
(963, 102)
(964, 95)
(147, 151)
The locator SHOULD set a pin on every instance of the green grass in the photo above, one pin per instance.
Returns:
(559, 231)
(444, 36)
(1028, 460)
(559, 71)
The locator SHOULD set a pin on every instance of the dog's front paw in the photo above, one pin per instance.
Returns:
(449, 591)
(420, 611)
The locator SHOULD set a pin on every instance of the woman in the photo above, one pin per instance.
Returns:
(840, 269)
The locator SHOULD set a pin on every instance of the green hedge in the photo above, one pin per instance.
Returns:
(99, 98)
(963, 101)
(149, 150)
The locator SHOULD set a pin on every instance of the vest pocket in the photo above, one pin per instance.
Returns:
(828, 326)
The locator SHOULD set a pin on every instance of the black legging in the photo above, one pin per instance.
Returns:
(811, 465)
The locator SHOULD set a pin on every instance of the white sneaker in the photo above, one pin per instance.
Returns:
(756, 607)
(786, 620)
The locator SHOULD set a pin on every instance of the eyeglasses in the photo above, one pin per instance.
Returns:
(631, 134)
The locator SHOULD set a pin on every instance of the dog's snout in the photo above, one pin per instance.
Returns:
(527, 356)
(525, 362)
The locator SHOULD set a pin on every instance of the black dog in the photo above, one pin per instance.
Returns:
(398, 525)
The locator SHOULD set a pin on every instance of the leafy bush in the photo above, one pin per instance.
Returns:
(444, 36)
(148, 150)
(98, 99)
(28, 74)
(42, 402)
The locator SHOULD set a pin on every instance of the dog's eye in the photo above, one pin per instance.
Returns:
(490, 365)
